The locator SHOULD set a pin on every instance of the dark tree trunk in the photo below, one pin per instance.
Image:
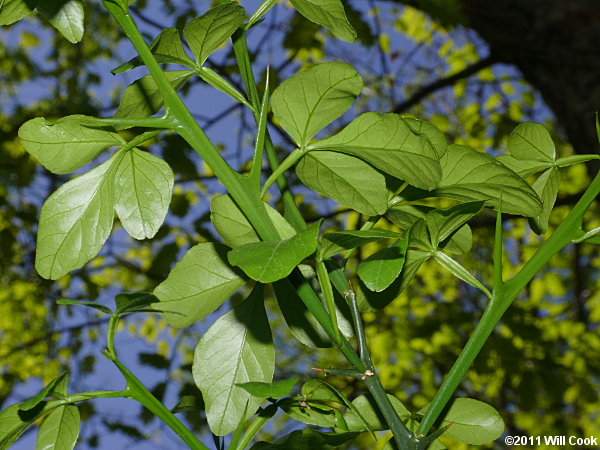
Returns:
(556, 45)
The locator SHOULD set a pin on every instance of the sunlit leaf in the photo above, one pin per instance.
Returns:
(12, 11)
(345, 179)
(64, 15)
(531, 141)
(206, 33)
(237, 348)
(198, 284)
(75, 221)
(469, 175)
(387, 142)
(143, 188)
(309, 101)
(67, 144)
(328, 13)
(380, 269)
(370, 412)
(59, 430)
(271, 261)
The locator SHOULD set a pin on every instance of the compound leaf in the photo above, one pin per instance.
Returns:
(75, 221)
(59, 430)
(206, 33)
(237, 348)
(469, 175)
(388, 142)
(309, 101)
(271, 261)
(345, 179)
(328, 13)
(67, 144)
(198, 284)
(143, 188)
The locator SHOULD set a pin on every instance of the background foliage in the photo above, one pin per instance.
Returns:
(447, 62)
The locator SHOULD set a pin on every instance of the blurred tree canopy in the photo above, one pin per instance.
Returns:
(473, 68)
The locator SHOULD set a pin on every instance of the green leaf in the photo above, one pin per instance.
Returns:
(234, 228)
(328, 13)
(75, 221)
(142, 98)
(441, 223)
(404, 216)
(37, 399)
(64, 15)
(345, 179)
(369, 301)
(188, 403)
(307, 439)
(380, 269)
(271, 261)
(531, 141)
(309, 101)
(198, 284)
(143, 188)
(166, 48)
(300, 321)
(546, 187)
(59, 430)
(67, 144)
(277, 389)
(310, 413)
(102, 308)
(13, 423)
(340, 241)
(206, 33)
(12, 11)
(237, 348)
(370, 413)
(459, 242)
(388, 142)
(473, 422)
(432, 133)
(469, 175)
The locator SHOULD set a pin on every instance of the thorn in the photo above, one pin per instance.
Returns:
(318, 369)
(449, 425)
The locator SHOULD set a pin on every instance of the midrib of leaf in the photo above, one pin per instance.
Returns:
(275, 247)
(339, 179)
(546, 157)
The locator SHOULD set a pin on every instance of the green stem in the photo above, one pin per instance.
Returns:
(327, 291)
(137, 391)
(255, 426)
(363, 349)
(89, 395)
(242, 56)
(502, 299)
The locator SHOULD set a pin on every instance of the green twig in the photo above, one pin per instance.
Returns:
(327, 291)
